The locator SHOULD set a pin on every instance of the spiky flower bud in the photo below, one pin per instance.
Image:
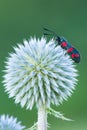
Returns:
(39, 73)
(10, 123)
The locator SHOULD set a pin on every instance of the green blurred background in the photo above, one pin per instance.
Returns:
(20, 19)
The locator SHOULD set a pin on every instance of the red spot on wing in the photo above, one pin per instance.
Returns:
(74, 55)
(64, 44)
(70, 49)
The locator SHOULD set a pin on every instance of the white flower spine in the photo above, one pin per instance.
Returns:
(39, 73)
(10, 123)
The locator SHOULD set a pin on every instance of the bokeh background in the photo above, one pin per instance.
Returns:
(20, 19)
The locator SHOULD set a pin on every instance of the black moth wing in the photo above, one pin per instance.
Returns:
(76, 55)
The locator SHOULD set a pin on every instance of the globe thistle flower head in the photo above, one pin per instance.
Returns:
(39, 73)
(10, 123)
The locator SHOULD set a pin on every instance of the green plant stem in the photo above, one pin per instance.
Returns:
(42, 118)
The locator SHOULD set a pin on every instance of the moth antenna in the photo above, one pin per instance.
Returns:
(47, 34)
(52, 32)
